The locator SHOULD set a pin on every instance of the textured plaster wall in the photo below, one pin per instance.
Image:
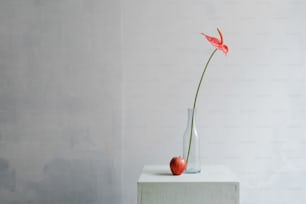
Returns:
(60, 102)
(251, 108)
(78, 121)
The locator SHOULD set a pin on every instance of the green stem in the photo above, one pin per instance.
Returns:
(195, 102)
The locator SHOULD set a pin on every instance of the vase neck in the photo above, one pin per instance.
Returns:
(190, 112)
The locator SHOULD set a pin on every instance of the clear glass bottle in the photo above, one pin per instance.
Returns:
(194, 161)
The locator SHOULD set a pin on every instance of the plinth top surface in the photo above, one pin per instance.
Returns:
(162, 173)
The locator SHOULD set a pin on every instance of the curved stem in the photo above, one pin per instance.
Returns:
(195, 102)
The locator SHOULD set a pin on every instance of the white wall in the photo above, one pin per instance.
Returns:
(251, 108)
(67, 97)
(60, 102)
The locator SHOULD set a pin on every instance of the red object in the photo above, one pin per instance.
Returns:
(178, 165)
(216, 42)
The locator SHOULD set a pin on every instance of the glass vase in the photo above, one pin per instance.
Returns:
(194, 161)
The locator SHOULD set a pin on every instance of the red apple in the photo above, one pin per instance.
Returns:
(178, 165)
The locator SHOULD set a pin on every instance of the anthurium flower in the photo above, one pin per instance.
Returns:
(216, 42)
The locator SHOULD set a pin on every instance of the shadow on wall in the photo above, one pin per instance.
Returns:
(63, 181)
(7, 176)
(67, 181)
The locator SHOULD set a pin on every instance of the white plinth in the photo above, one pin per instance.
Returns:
(214, 185)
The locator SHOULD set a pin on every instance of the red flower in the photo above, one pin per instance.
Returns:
(216, 42)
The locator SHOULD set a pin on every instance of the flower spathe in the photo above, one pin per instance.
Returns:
(216, 42)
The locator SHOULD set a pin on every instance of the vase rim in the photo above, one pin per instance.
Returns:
(191, 109)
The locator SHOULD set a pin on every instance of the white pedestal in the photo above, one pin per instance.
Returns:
(214, 185)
